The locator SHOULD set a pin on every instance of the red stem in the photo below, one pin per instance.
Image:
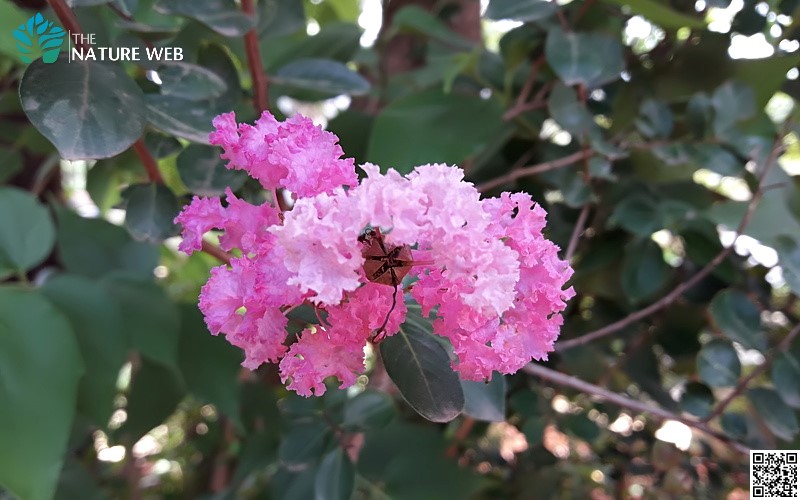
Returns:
(260, 91)
(149, 163)
(67, 18)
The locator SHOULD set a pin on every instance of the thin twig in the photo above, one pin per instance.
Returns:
(260, 82)
(460, 435)
(535, 169)
(217, 252)
(68, 19)
(768, 359)
(686, 285)
(625, 402)
(577, 232)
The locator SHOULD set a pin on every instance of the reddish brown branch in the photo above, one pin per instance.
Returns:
(67, 18)
(217, 252)
(460, 435)
(535, 169)
(260, 82)
(768, 359)
(149, 163)
(696, 278)
(577, 232)
(603, 394)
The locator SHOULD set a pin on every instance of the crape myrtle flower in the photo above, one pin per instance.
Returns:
(480, 268)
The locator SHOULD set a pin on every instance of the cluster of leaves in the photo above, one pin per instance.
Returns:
(650, 144)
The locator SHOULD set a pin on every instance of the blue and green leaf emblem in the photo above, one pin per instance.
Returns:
(38, 37)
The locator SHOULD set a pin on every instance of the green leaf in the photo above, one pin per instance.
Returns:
(337, 41)
(149, 212)
(660, 14)
(97, 322)
(485, 400)
(150, 319)
(420, 367)
(718, 364)
(190, 81)
(587, 59)
(223, 16)
(204, 172)
(95, 247)
(415, 19)
(715, 158)
(444, 128)
(38, 37)
(734, 424)
(183, 118)
(655, 119)
(11, 17)
(520, 10)
(26, 231)
(148, 31)
(699, 114)
(738, 318)
(733, 102)
(155, 393)
(369, 410)
(638, 214)
(160, 145)
(304, 442)
(788, 249)
(335, 477)
(321, 75)
(87, 109)
(570, 113)
(644, 272)
(697, 399)
(10, 163)
(280, 17)
(41, 366)
(786, 378)
(209, 364)
(780, 419)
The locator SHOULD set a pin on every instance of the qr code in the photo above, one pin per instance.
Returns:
(773, 474)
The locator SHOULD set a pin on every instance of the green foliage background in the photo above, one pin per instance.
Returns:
(649, 149)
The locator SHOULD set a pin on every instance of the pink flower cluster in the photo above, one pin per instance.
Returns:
(483, 270)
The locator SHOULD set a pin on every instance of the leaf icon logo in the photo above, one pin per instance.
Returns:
(39, 37)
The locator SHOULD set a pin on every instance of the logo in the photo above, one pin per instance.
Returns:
(38, 37)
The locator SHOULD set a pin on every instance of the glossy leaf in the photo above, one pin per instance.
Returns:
(41, 366)
(520, 10)
(204, 172)
(788, 249)
(335, 476)
(99, 118)
(644, 271)
(420, 368)
(738, 318)
(660, 14)
(180, 117)
(718, 364)
(190, 81)
(733, 102)
(655, 119)
(369, 410)
(26, 230)
(149, 212)
(415, 19)
(780, 419)
(786, 378)
(444, 128)
(97, 322)
(587, 59)
(485, 400)
(223, 16)
(321, 75)
(10, 163)
(94, 247)
(304, 442)
(697, 399)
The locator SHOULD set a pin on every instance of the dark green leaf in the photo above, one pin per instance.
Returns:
(780, 419)
(644, 271)
(26, 231)
(280, 17)
(718, 364)
(41, 366)
(369, 410)
(788, 249)
(715, 158)
(155, 393)
(335, 477)
(190, 81)
(10, 163)
(655, 119)
(638, 214)
(733, 102)
(738, 318)
(209, 364)
(485, 400)
(181, 117)
(699, 114)
(444, 128)
(570, 113)
(337, 41)
(94, 247)
(581, 426)
(415, 19)
(150, 319)
(204, 172)
(160, 145)
(148, 31)
(304, 442)
(91, 110)
(321, 75)
(587, 59)
(223, 16)
(97, 322)
(660, 14)
(734, 424)
(149, 212)
(520, 10)
(697, 399)
(420, 368)
(786, 378)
